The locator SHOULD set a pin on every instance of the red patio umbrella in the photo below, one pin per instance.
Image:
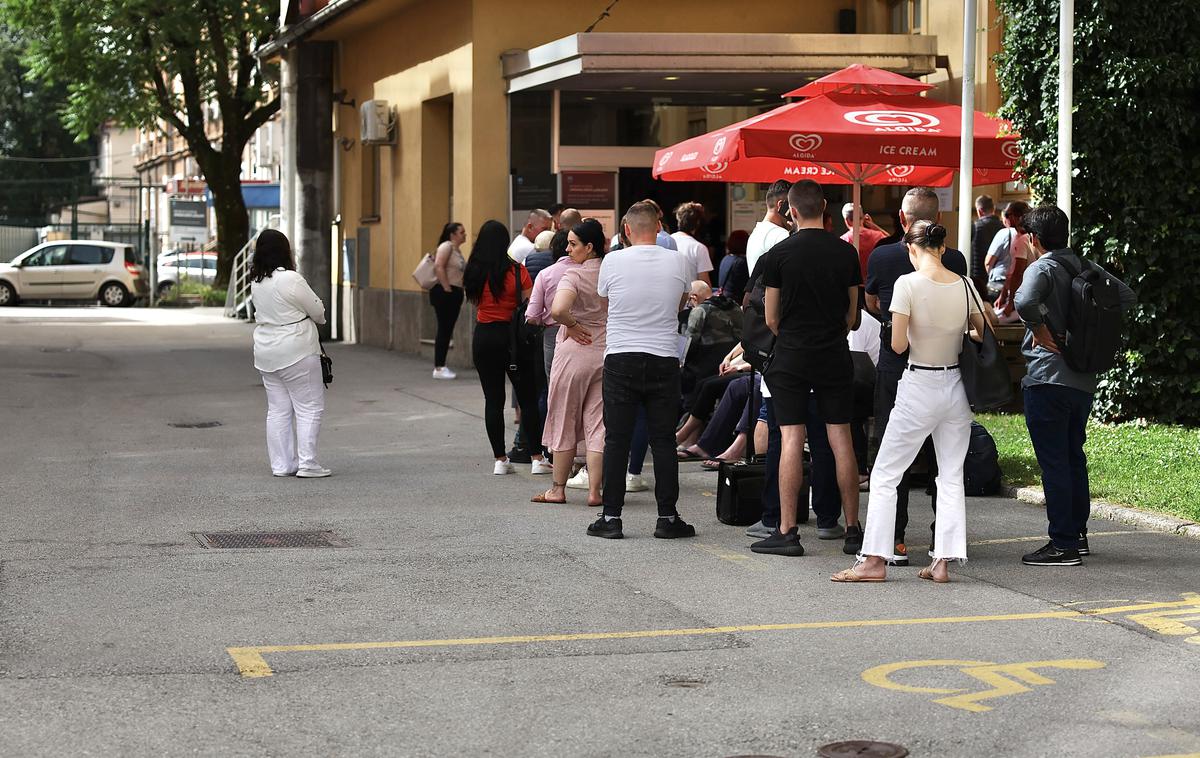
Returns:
(863, 80)
(858, 137)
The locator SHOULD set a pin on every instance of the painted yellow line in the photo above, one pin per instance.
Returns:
(252, 664)
(725, 554)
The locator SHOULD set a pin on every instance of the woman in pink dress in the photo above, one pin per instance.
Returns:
(575, 408)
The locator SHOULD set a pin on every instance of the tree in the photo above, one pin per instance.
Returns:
(1136, 184)
(30, 128)
(147, 62)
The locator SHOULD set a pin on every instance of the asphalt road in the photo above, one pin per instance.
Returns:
(460, 619)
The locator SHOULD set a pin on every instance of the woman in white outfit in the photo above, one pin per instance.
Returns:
(931, 310)
(287, 354)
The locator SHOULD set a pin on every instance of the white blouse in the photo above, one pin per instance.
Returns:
(286, 312)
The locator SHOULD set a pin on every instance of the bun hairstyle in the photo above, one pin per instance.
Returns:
(928, 235)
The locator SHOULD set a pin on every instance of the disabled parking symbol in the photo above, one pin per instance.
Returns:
(1000, 679)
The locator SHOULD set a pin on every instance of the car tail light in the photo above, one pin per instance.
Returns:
(133, 268)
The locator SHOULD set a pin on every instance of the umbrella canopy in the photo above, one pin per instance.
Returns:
(861, 79)
(860, 130)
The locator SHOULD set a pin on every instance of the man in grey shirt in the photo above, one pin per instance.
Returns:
(1058, 400)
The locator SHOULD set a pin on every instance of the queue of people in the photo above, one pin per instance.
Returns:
(631, 348)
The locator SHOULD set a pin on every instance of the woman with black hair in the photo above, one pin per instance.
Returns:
(446, 296)
(575, 409)
(496, 284)
(287, 354)
(931, 310)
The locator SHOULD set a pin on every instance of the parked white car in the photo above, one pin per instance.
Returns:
(110, 272)
(195, 266)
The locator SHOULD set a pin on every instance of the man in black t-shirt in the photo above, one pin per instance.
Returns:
(887, 264)
(812, 282)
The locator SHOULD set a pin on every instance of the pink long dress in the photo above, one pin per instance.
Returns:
(575, 404)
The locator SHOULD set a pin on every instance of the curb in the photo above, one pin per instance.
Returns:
(1122, 514)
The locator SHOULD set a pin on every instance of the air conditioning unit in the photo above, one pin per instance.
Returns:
(376, 123)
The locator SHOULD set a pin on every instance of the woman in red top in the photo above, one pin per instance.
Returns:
(491, 283)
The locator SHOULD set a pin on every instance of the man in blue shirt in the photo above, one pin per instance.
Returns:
(1058, 400)
(887, 264)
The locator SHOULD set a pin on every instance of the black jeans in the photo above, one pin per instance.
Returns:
(635, 381)
(446, 305)
(886, 383)
(1057, 420)
(708, 394)
(490, 349)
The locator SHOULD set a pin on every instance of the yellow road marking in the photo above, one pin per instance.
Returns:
(725, 554)
(252, 664)
(1003, 679)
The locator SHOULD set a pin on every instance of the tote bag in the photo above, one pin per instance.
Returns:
(424, 273)
(984, 371)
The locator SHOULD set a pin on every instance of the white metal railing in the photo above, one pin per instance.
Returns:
(237, 297)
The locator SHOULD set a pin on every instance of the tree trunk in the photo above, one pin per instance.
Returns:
(233, 220)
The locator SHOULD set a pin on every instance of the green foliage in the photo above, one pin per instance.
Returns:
(1146, 465)
(30, 127)
(1136, 185)
(209, 295)
(148, 62)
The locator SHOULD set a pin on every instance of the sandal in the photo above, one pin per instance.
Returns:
(543, 498)
(927, 573)
(849, 576)
(687, 455)
(712, 464)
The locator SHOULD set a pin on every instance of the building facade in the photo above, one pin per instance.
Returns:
(497, 107)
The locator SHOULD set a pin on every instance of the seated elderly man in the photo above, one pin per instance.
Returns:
(713, 328)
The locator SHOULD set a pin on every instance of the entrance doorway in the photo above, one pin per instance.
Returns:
(634, 184)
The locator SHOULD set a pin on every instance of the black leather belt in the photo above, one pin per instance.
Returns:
(915, 367)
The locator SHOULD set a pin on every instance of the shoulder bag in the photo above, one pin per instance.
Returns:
(425, 274)
(985, 374)
(522, 335)
(326, 361)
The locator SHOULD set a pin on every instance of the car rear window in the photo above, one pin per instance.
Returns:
(91, 255)
(132, 256)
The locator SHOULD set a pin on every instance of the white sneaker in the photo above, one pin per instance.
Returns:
(313, 473)
(503, 467)
(444, 373)
(579, 481)
(542, 466)
(636, 483)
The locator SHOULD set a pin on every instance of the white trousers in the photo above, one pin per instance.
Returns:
(295, 402)
(927, 403)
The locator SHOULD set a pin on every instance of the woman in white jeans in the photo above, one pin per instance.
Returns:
(287, 354)
(931, 310)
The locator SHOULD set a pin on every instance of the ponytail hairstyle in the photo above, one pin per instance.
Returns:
(927, 235)
(489, 263)
(448, 231)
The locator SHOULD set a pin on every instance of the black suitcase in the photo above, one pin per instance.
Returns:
(739, 492)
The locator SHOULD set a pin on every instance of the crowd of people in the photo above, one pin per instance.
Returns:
(615, 347)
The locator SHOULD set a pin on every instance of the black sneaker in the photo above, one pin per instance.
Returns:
(1083, 548)
(609, 530)
(780, 543)
(1052, 556)
(667, 529)
(854, 539)
(520, 455)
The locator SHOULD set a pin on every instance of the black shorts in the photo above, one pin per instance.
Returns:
(832, 385)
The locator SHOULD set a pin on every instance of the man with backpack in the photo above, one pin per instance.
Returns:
(1072, 312)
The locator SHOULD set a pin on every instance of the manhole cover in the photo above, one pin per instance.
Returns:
(233, 540)
(194, 424)
(687, 684)
(862, 749)
(52, 375)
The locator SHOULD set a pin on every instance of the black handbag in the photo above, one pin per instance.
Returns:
(326, 365)
(985, 374)
(521, 334)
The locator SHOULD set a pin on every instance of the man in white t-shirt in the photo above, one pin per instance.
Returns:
(689, 217)
(522, 245)
(646, 286)
(774, 227)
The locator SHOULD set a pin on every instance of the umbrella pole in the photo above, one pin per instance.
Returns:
(858, 212)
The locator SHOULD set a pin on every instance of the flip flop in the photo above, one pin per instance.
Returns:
(927, 573)
(712, 464)
(849, 576)
(688, 455)
(543, 499)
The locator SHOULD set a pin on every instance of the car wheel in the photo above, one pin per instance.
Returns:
(114, 295)
(165, 288)
(8, 295)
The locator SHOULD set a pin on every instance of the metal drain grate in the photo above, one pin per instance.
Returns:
(194, 424)
(687, 684)
(242, 540)
(862, 749)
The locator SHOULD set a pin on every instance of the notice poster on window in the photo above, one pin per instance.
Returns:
(744, 214)
(589, 190)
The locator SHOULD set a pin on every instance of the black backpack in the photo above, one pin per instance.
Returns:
(1092, 334)
(758, 341)
(981, 470)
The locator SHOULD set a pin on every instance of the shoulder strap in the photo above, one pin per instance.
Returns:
(1071, 269)
(973, 295)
